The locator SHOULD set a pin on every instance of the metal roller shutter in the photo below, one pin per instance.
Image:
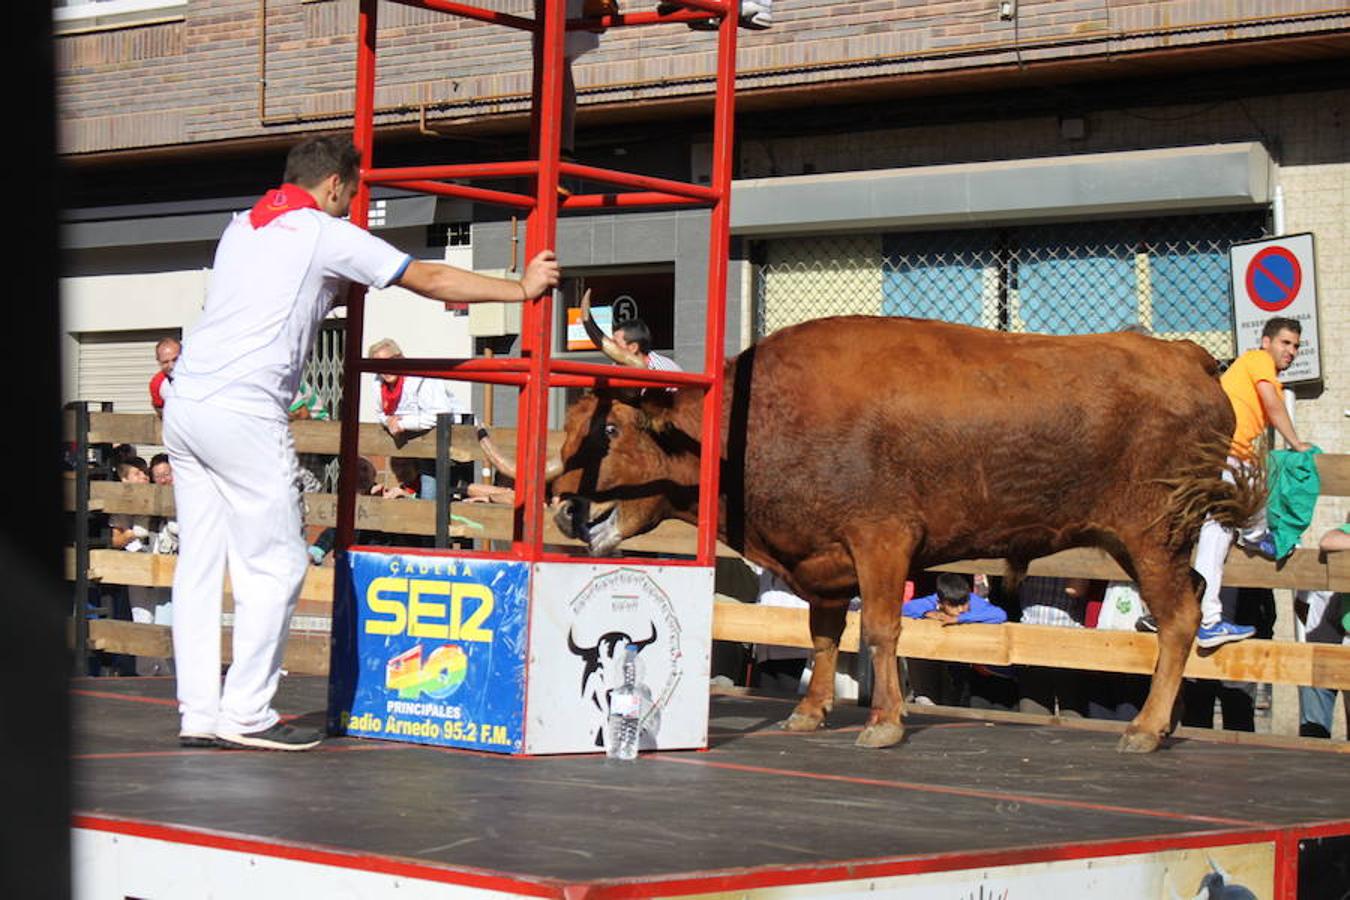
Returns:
(116, 367)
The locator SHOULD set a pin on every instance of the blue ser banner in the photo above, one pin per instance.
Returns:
(440, 649)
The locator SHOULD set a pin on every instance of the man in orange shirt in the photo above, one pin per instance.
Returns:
(1253, 387)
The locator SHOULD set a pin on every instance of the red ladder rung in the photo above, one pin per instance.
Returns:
(646, 17)
(510, 169)
(643, 377)
(467, 192)
(624, 201)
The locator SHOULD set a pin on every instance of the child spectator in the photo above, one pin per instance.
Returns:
(165, 539)
(161, 471)
(980, 686)
(954, 604)
(140, 534)
(366, 486)
(131, 533)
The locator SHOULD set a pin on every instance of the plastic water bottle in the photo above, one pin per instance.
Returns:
(625, 711)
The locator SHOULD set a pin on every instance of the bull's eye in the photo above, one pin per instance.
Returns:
(611, 430)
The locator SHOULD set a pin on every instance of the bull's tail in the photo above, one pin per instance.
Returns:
(1200, 490)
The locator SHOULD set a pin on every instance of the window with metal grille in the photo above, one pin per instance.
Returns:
(1167, 274)
(323, 374)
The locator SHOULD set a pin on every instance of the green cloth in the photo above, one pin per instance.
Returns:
(1294, 485)
(307, 397)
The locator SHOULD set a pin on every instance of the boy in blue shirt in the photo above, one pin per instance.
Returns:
(954, 604)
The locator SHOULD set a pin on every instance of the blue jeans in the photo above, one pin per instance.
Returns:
(1316, 706)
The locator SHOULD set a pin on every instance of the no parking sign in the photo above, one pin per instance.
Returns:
(1277, 277)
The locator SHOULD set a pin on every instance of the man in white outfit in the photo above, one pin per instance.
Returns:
(278, 269)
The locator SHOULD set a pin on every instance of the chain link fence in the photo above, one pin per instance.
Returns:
(1169, 275)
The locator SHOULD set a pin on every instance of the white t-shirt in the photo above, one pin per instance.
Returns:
(421, 400)
(270, 288)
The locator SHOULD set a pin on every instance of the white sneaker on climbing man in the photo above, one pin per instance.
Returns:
(756, 15)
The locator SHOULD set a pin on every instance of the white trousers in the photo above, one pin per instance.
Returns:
(1212, 549)
(236, 487)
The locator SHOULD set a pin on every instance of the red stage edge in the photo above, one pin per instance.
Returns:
(1285, 840)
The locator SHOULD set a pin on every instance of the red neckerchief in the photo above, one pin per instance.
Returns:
(280, 201)
(156, 389)
(390, 395)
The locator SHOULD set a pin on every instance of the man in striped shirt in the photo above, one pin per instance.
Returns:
(635, 338)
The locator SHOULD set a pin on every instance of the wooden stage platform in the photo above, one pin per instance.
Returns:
(965, 808)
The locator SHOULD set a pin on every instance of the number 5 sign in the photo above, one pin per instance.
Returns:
(1277, 277)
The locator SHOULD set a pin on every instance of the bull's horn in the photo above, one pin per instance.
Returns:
(494, 456)
(606, 343)
(508, 468)
(553, 469)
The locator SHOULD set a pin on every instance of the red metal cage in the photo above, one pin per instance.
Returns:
(535, 370)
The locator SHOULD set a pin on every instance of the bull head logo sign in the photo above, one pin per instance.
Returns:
(598, 662)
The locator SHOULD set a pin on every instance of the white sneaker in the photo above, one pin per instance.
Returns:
(756, 15)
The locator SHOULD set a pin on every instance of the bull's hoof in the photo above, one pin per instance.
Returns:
(802, 722)
(881, 734)
(1140, 741)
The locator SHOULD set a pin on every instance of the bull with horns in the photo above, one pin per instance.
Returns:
(855, 450)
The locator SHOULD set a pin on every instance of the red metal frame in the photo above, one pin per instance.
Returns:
(535, 371)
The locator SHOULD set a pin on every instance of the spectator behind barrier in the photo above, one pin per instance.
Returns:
(167, 350)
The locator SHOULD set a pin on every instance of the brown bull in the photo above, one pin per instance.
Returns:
(855, 450)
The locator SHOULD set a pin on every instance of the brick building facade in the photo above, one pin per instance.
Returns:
(1040, 137)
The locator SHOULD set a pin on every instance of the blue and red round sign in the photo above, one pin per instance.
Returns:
(1274, 278)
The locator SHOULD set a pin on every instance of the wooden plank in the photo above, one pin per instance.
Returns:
(1334, 470)
(1308, 569)
(1304, 568)
(1325, 665)
(312, 436)
(1330, 664)
(1080, 562)
(306, 651)
(927, 639)
(117, 428)
(322, 437)
(1082, 648)
(121, 497)
(156, 570)
(417, 517)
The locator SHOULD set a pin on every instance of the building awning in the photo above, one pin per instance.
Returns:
(204, 220)
(1132, 182)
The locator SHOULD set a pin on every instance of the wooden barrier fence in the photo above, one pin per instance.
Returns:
(1323, 665)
